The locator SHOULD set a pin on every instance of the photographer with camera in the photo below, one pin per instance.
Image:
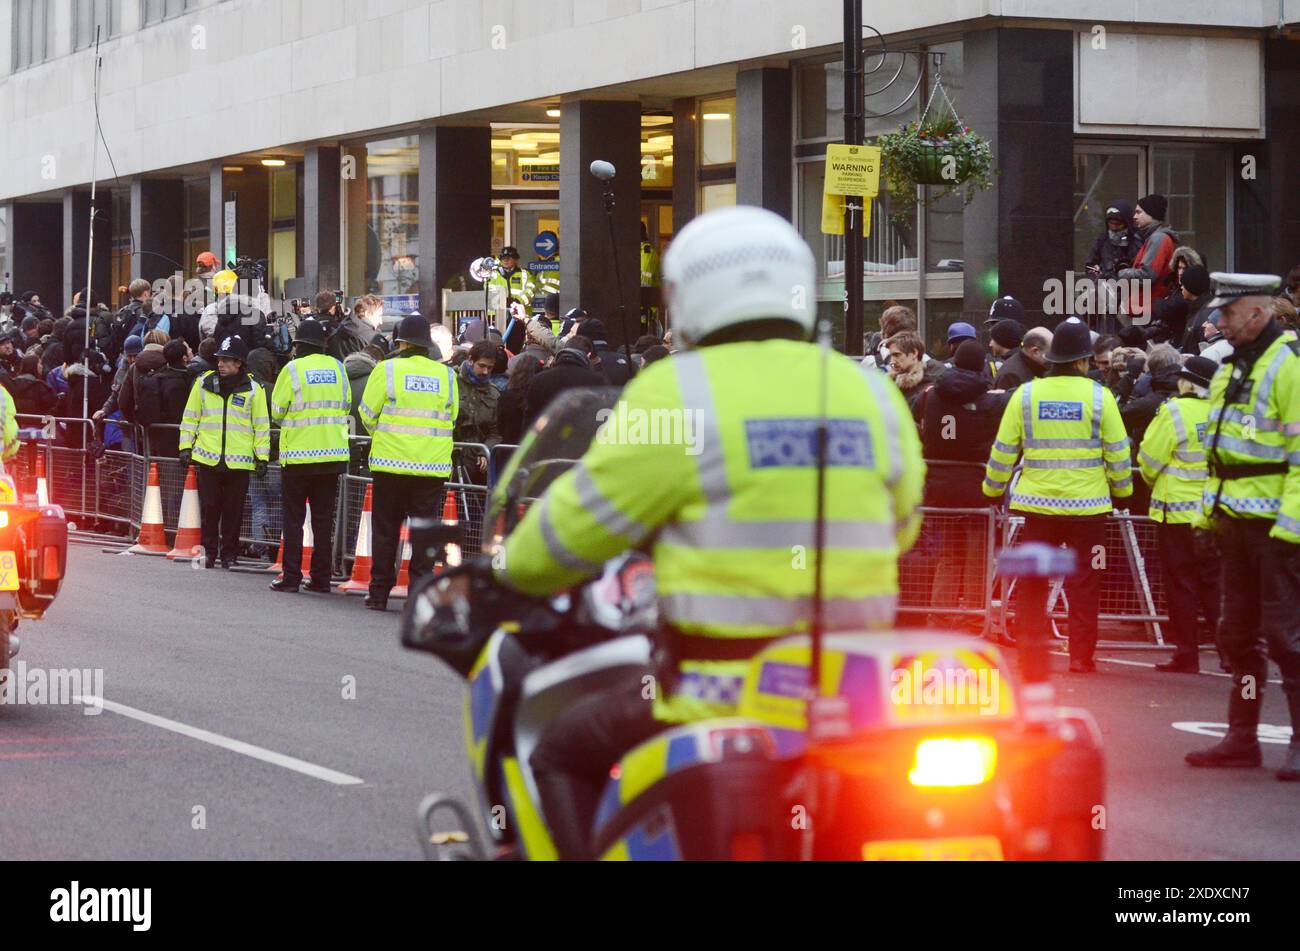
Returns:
(357, 330)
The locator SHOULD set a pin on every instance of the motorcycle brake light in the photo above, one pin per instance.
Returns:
(51, 570)
(954, 761)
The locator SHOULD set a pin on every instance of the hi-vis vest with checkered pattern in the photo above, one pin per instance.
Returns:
(234, 429)
(10, 426)
(312, 403)
(1075, 448)
(729, 498)
(1261, 425)
(1172, 460)
(410, 405)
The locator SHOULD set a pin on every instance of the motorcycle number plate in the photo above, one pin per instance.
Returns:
(8, 571)
(973, 848)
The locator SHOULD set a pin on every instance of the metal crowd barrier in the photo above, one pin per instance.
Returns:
(949, 577)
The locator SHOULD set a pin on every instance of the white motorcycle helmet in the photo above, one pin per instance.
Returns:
(736, 265)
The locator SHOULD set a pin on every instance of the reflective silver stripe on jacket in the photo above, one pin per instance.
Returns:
(405, 430)
(773, 611)
(314, 421)
(1261, 424)
(1247, 447)
(603, 510)
(1006, 448)
(414, 412)
(1094, 463)
(556, 548)
(1287, 523)
(715, 531)
(697, 395)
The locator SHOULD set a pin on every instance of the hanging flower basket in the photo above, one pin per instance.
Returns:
(938, 151)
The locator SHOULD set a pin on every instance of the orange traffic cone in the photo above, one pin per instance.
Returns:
(308, 543)
(359, 583)
(404, 573)
(153, 537)
(189, 540)
(42, 487)
(451, 522)
(278, 566)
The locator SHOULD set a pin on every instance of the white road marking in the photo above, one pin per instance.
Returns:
(225, 742)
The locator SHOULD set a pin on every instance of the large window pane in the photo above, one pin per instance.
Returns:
(392, 216)
(721, 195)
(718, 131)
(1195, 180)
(1100, 179)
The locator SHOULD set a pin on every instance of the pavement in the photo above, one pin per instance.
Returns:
(243, 724)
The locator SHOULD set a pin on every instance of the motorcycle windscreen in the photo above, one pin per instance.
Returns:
(558, 439)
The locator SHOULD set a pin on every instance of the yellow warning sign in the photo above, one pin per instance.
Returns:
(833, 215)
(852, 170)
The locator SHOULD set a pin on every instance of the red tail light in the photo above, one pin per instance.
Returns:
(51, 570)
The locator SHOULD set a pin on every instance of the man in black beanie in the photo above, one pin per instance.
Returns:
(1197, 292)
(1154, 257)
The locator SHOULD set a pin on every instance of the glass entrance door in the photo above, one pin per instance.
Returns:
(535, 230)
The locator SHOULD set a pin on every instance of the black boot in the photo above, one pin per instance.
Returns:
(1240, 748)
(1290, 771)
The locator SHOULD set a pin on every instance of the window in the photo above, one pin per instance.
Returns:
(155, 11)
(30, 33)
(89, 14)
(1196, 179)
(392, 216)
(893, 250)
(4, 249)
(718, 131)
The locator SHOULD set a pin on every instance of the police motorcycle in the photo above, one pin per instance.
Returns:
(920, 746)
(33, 553)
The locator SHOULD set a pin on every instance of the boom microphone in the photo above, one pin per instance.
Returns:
(602, 170)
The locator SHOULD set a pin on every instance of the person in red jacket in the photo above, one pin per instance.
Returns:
(1154, 257)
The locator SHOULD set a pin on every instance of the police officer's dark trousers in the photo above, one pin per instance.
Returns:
(1261, 591)
(222, 493)
(571, 764)
(1191, 575)
(321, 492)
(1086, 536)
(395, 498)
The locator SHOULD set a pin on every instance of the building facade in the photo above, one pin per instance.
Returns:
(379, 146)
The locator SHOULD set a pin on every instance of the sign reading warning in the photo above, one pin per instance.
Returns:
(853, 170)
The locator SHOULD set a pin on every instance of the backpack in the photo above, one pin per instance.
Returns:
(281, 339)
(160, 396)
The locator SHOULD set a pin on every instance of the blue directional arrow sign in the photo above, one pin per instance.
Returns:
(546, 244)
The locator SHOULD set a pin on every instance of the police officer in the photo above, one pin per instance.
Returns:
(226, 431)
(722, 520)
(1252, 499)
(311, 404)
(650, 281)
(516, 284)
(1076, 457)
(410, 406)
(1172, 461)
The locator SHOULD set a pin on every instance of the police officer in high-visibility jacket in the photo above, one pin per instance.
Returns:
(9, 412)
(1172, 461)
(515, 284)
(226, 433)
(1252, 499)
(724, 513)
(1076, 457)
(311, 403)
(410, 406)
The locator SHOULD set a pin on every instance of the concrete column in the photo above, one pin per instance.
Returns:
(1267, 220)
(158, 223)
(1021, 231)
(319, 221)
(455, 207)
(609, 130)
(216, 212)
(36, 250)
(764, 140)
(685, 160)
(76, 236)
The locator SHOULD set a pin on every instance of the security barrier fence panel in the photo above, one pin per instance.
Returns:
(949, 578)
